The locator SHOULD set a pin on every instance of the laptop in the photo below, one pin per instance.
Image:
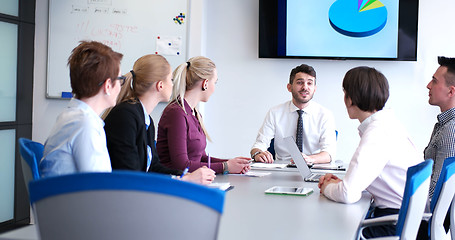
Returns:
(302, 166)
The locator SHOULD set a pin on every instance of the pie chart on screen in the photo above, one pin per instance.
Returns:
(358, 18)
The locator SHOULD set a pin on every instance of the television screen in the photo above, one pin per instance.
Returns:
(338, 29)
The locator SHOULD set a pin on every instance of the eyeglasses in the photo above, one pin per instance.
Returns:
(122, 80)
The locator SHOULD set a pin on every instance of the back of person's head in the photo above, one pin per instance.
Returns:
(90, 64)
(188, 74)
(367, 87)
(147, 71)
(449, 63)
(303, 69)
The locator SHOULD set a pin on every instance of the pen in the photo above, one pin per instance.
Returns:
(184, 172)
(208, 161)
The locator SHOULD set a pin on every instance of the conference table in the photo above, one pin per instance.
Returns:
(249, 213)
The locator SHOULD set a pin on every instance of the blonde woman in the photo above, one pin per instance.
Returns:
(181, 133)
(130, 131)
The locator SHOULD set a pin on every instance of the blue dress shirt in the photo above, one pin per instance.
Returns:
(77, 143)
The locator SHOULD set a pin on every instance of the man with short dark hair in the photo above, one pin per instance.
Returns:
(442, 94)
(312, 125)
(441, 146)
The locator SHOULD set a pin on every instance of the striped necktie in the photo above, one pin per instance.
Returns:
(299, 135)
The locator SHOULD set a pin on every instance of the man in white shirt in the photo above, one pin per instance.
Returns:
(383, 155)
(317, 125)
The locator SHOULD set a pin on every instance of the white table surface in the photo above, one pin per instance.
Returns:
(249, 213)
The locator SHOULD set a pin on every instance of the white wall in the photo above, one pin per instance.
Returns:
(45, 111)
(249, 86)
(226, 31)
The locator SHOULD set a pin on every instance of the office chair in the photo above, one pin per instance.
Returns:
(31, 154)
(271, 148)
(415, 197)
(124, 205)
(452, 219)
(442, 198)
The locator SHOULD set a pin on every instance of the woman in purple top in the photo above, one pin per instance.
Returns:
(181, 134)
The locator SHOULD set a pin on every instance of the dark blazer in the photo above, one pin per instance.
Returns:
(127, 139)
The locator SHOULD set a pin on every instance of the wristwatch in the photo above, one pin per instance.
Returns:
(254, 155)
(225, 168)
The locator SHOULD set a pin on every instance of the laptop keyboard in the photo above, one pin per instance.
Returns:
(314, 177)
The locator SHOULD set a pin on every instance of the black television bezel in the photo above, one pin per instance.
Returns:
(273, 46)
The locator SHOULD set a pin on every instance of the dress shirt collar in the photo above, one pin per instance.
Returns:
(146, 116)
(307, 110)
(379, 115)
(446, 116)
(76, 103)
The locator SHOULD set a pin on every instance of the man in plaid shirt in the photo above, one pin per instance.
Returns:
(442, 142)
(442, 94)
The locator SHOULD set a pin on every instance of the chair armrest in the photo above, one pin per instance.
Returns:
(386, 238)
(385, 220)
(426, 216)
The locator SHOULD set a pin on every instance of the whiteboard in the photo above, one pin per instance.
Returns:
(133, 28)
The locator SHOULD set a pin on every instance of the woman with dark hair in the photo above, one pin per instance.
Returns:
(384, 153)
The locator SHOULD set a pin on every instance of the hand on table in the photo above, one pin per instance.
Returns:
(265, 156)
(203, 175)
(326, 180)
(239, 165)
(308, 159)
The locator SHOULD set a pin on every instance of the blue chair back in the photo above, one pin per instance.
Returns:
(442, 198)
(31, 153)
(414, 199)
(124, 205)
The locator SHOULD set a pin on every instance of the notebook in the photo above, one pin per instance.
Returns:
(303, 168)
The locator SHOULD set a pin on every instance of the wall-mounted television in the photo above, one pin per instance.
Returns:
(339, 29)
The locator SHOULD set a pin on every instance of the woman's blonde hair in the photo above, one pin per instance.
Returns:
(147, 70)
(186, 75)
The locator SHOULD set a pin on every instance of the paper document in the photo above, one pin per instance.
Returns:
(253, 174)
(259, 165)
(328, 166)
(299, 191)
